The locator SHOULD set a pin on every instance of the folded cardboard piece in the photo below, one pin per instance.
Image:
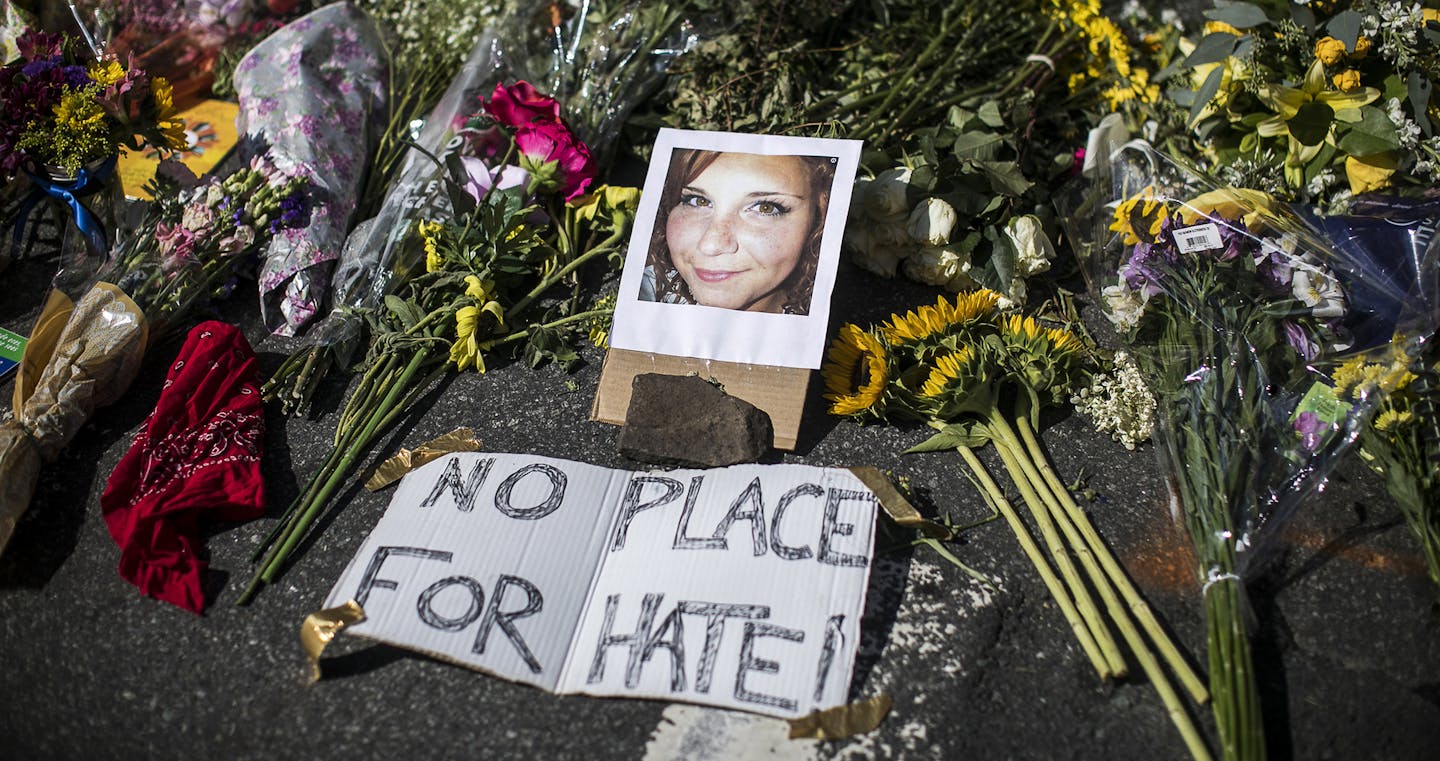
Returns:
(779, 391)
(737, 587)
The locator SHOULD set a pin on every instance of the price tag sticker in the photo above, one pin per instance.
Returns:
(1198, 238)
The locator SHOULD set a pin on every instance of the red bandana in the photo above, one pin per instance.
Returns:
(199, 452)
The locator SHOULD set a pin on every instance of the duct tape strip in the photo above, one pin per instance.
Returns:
(842, 721)
(395, 468)
(321, 627)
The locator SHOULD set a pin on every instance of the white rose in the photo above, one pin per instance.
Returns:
(1033, 250)
(892, 234)
(931, 222)
(1123, 305)
(962, 281)
(933, 265)
(1015, 298)
(885, 196)
(880, 260)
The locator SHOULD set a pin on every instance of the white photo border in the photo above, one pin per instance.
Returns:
(729, 335)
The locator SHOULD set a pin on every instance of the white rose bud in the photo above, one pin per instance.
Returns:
(885, 196)
(892, 234)
(880, 260)
(1033, 250)
(931, 222)
(933, 265)
(1015, 298)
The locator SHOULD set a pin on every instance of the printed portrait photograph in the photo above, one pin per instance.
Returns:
(735, 247)
(739, 231)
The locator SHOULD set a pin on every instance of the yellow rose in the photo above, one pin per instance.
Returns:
(1362, 47)
(1430, 14)
(1330, 51)
(1347, 80)
(1367, 173)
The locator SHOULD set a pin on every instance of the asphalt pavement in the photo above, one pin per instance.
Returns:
(1347, 643)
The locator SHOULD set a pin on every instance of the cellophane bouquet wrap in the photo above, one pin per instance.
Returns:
(1236, 311)
(598, 64)
(83, 356)
(313, 93)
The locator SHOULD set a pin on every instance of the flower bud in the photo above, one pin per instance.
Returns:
(885, 197)
(931, 222)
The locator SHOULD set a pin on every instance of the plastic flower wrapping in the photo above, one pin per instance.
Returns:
(1236, 312)
(597, 66)
(313, 94)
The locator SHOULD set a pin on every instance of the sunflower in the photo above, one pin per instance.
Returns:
(927, 324)
(949, 374)
(1045, 359)
(855, 372)
(1139, 217)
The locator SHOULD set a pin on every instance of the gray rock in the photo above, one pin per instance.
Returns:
(686, 421)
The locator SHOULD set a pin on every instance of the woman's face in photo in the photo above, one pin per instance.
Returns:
(740, 228)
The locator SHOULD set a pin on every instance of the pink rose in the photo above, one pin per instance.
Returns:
(555, 158)
(521, 103)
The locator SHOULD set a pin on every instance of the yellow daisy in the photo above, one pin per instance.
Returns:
(855, 372)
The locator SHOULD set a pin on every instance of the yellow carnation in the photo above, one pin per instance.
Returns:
(1330, 51)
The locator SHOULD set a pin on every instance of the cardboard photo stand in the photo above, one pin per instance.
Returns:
(762, 357)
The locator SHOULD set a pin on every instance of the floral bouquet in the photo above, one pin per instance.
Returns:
(523, 225)
(622, 46)
(1314, 102)
(83, 357)
(979, 376)
(67, 118)
(1234, 310)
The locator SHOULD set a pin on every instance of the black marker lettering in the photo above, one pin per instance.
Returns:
(425, 605)
(715, 615)
(833, 638)
(756, 516)
(631, 504)
(464, 496)
(675, 623)
(781, 548)
(833, 526)
(370, 580)
(748, 663)
(548, 505)
(504, 619)
(683, 541)
(635, 640)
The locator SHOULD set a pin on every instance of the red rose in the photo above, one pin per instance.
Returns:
(521, 103)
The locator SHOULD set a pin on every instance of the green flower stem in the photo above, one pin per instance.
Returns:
(939, 547)
(555, 277)
(948, 22)
(1037, 558)
(331, 476)
(1116, 574)
(1114, 660)
(523, 334)
(362, 400)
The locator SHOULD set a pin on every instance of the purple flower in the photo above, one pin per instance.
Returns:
(1299, 339)
(1311, 429)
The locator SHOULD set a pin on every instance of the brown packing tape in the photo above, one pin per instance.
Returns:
(842, 721)
(894, 503)
(321, 627)
(406, 460)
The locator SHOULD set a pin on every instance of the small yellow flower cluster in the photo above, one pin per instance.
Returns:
(1109, 51)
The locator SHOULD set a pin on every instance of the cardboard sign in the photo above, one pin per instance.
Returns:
(738, 587)
(732, 261)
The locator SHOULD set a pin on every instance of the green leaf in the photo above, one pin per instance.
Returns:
(1420, 89)
(990, 114)
(1213, 48)
(983, 146)
(1239, 15)
(408, 314)
(970, 435)
(1345, 27)
(1303, 17)
(1206, 93)
(1311, 123)
(1005, 177)
(1373, 134)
